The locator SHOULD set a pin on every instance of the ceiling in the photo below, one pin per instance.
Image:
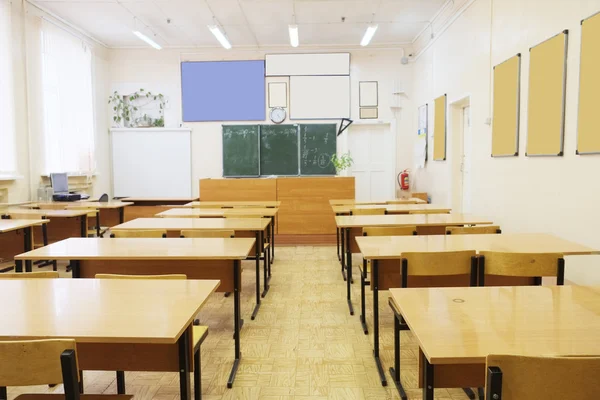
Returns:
(246, 22)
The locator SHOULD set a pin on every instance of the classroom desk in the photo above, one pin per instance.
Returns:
(11, 242)
(352, 202)
(233, 204)
(114, 322)
(110, 213)
(211, 258)
(378, 249)
(427, 224)
(226, 212)
(147, 207)
(64, 223)
(254, 226)
(457, 328)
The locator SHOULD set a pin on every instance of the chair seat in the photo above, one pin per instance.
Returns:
(199, 333)
(52, 396)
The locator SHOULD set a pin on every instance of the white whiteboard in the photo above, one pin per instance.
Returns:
(151, 162)
(319, 97)
(308, 64)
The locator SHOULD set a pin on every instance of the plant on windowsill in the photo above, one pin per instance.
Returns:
(127, 109)
(341, 162)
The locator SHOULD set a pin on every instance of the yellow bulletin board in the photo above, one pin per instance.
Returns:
(546, 109)
(588, 125)
(505, 125)
(439, 129)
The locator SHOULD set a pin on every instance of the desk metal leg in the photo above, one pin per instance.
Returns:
(184, 344)
(343, 252)
(27, 237)
(363, 311)
(236, 321)
(266, 261)
(257, 253)
(97, 223)
(349, 270)
(83, 222)
(18, 265)
(3, 394)
(121, 382)
(375, 266)
(427, 379)
(76, 271)
(121, 215)
(395, 370)
(272, 242)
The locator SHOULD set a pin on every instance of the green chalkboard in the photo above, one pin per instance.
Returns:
(240, 150)
(279, 149)
(317, 145)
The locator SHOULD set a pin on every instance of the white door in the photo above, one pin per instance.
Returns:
(372, 148)
(466, 160)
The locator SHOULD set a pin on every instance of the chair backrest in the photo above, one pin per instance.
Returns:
(368, 211)
(33, 362)
(521, 264)
(510, 377)
(389, 230)
(428, 212)
(472, 230)
(439, 264)
(30, 275)
(138, 233)
(402, 201)
(141, 277)
(420, 195)
(103, 198)
(217, 233)
(242, 216)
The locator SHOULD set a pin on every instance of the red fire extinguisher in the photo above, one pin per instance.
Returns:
(403, 180)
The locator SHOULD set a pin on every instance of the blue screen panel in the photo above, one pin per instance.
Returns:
(223, 91)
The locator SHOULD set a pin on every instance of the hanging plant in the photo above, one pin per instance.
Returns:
(126, 109)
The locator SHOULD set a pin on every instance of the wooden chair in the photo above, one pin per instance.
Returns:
(199, 333)
(218, 233)
(472, 230)
(533, 265)
(365, 269)
(430, 264)
(141, 233)
(41, 362)
(401, 201)
(368, 211)
(510, 377)
(420, 195)
(44, 241)
(30, 275)
(103, 198)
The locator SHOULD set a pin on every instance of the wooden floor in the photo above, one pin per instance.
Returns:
(303, 345)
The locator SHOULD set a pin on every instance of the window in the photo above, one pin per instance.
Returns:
(68, 125)
(7, 110)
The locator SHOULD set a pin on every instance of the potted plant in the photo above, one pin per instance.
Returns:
(126, 109)
(341, 162)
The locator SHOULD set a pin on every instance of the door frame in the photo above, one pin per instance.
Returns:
(456, 107)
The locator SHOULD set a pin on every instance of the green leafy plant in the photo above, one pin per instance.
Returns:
(342, 162)
(126, 108)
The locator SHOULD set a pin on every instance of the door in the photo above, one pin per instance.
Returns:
(372, 148)
(466, 159)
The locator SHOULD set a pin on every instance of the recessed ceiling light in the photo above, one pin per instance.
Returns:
(147, 40)
(214, 29)
(294, 41)
(369, 35)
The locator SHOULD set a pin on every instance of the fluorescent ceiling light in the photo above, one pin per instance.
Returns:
(294, 35)
(147, 40)
(369, 35)
(214, 29)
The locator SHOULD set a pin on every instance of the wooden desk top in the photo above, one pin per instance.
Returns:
(221, 204)
(77, 204)
(217, 212)
(7, 225)
(142, 199)
(360, 221)
(393, 208)
(101, 310)
(374, 202)
(48, 213)
(177, 224)
(464, 325)
(392, 247)
(143, 249)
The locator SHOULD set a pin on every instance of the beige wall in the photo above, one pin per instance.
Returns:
(25, 30)
(545, 194)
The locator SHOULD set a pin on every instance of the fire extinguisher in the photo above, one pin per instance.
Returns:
(403, 180)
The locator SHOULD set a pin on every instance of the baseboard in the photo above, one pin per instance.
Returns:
(305, 240)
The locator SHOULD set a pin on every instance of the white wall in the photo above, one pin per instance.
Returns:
(159, 71)
(546, 194)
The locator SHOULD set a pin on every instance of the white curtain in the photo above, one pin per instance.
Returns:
(68, 125)
(7, 110)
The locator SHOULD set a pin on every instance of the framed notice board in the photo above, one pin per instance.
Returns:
(439, 129)
(505, 122)
(546, 107)
(588, 121)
